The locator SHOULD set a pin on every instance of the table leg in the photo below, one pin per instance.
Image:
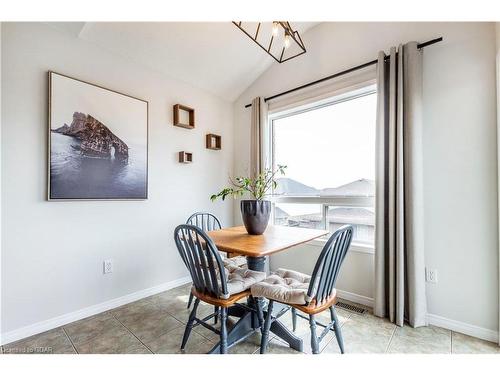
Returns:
(240, 331)
(237, 311)
(256, 263)
(285, 334)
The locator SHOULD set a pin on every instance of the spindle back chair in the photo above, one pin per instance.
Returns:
(321, 292)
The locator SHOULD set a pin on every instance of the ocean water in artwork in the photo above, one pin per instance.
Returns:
(90, 162)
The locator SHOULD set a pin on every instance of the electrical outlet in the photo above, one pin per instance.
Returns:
(108, 266)
(431, 276)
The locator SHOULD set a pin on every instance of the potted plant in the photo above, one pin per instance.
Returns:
(255, 212)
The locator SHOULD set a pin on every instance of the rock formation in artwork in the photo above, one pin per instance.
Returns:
(96, 139)
(62, 129)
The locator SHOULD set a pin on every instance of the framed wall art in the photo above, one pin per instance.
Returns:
(98, 142)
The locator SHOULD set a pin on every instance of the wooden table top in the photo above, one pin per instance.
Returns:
(236, 240)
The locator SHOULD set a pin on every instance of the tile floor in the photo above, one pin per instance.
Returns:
(156, 325)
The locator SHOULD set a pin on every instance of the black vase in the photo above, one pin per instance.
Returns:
(255, 215)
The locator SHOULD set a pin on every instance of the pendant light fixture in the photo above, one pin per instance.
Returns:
(278, 38)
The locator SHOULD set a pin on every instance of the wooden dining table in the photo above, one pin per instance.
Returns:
(256, 248)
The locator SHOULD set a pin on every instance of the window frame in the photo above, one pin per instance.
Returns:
(326, 201)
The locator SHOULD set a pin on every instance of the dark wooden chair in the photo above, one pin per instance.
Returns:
(204, 220)
(308, 294)
(213, 283)
(207, 222)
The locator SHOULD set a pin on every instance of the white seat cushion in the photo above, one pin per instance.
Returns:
(240, 279)
(235, 262)
(284, 285)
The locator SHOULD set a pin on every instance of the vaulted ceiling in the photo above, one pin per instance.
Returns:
(214, 56)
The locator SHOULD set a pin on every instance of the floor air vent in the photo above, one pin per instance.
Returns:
(349, 307)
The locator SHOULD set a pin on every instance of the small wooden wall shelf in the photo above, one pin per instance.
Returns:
(177, 116)
(213, 142)
(185, 157)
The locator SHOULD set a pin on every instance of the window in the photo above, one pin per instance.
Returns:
(329, 150)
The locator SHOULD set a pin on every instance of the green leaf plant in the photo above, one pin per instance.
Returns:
(257, 187)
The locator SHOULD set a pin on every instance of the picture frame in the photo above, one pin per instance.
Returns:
(103, 153)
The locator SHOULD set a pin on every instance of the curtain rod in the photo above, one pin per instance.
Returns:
(350, 70)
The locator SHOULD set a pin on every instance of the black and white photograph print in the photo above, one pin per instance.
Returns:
(98, 142)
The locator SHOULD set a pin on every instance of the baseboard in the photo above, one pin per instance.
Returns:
(61, 320)
(356, 298)
(465, 328)
(436, 320)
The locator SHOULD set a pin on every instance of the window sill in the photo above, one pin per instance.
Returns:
(356, 247)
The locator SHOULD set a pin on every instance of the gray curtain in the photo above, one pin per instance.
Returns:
(257, 145)
(256, 159)
(399, 236)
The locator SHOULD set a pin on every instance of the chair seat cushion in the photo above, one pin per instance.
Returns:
(235, 262)
(240, 279)
(285, 286)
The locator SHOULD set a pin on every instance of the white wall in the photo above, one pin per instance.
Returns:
(497, 30)
(460, 153)
(52, 252)
(0, 173)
